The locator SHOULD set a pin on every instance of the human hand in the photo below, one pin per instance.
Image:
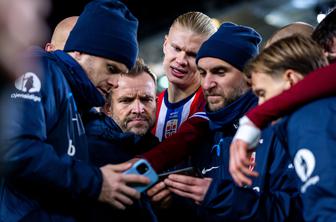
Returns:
(115, 190)
(187, 186)
(160, 194)
(240, 163)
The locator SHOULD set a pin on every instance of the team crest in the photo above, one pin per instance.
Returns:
(171, 127)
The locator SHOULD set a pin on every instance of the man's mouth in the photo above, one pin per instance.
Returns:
(178, 72)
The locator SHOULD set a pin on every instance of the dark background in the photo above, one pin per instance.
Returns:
(153, 16)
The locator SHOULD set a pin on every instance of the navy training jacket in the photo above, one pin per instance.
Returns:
(273, 196)
(45, 175)
(309, 134)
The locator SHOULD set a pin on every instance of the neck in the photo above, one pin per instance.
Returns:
(176, 94)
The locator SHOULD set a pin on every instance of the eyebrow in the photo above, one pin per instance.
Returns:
(216, 68)
(189, 53)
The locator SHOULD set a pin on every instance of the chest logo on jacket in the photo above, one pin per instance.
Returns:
(28, 82)
(304, 163)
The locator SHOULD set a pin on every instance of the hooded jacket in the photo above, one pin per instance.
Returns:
(44, 155)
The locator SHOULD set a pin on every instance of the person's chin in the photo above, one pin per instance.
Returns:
(213, 107)
(139, 131)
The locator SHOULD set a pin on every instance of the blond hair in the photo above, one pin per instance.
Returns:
(197, 22)
(299, 53)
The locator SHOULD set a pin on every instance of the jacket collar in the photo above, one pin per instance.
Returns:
(100, 124)
(85, 93)
(226, 117)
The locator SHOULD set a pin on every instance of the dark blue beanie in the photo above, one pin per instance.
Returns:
(235, 44)
(106, 28)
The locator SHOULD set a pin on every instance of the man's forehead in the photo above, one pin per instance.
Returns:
(185, 38)
(130, 84)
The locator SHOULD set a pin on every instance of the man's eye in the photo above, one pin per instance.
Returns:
(202, 73)
(177, 49)
(125, 100)
(112, 69)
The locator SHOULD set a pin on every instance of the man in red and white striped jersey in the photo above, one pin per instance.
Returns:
(184, 96)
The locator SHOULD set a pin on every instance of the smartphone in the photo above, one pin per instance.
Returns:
(188, 171)
(142, 167)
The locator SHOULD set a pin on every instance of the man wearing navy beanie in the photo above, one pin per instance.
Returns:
(232, 43)
(44, 157)
(106, 29)
(274, 196)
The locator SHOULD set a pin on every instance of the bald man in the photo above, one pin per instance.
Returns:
(290, 29)
(61, 34)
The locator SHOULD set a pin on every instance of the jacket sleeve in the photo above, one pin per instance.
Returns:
(278, 200)
(27, 157)
(318, 84)
(178, 146)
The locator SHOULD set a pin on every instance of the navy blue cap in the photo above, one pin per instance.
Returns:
(106, 28)
(234, 44)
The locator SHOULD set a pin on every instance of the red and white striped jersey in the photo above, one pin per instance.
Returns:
(170, 116)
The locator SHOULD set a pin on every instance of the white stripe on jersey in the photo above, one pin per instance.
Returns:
(186, 110)
(161, 120)
(200, 115)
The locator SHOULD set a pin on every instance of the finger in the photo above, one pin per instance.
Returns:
(161, 195)
(123, 199)
(156, 188)
(184, 194)
(243, 180)
(130, 192)
(120, 167)
(242, 153)
(183, 179)
(177, 185)
(167, 198)
(235, 167)
(134, 178)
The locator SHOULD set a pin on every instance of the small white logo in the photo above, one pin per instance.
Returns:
(257, 189)
(28, 82)
(204, 171)
(71, 149)
(304, 163)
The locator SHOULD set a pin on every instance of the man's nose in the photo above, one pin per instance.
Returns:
(207, 82)
(138, 107)
(181, 58)
(113, 80)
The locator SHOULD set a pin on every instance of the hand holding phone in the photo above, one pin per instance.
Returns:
(142, 167)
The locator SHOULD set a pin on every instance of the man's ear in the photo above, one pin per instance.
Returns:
(76, 55)
(292, 77)
(49, 47)
(165, 42)
(107, 109)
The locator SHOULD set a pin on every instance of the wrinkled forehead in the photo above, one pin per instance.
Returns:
(128, 84)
